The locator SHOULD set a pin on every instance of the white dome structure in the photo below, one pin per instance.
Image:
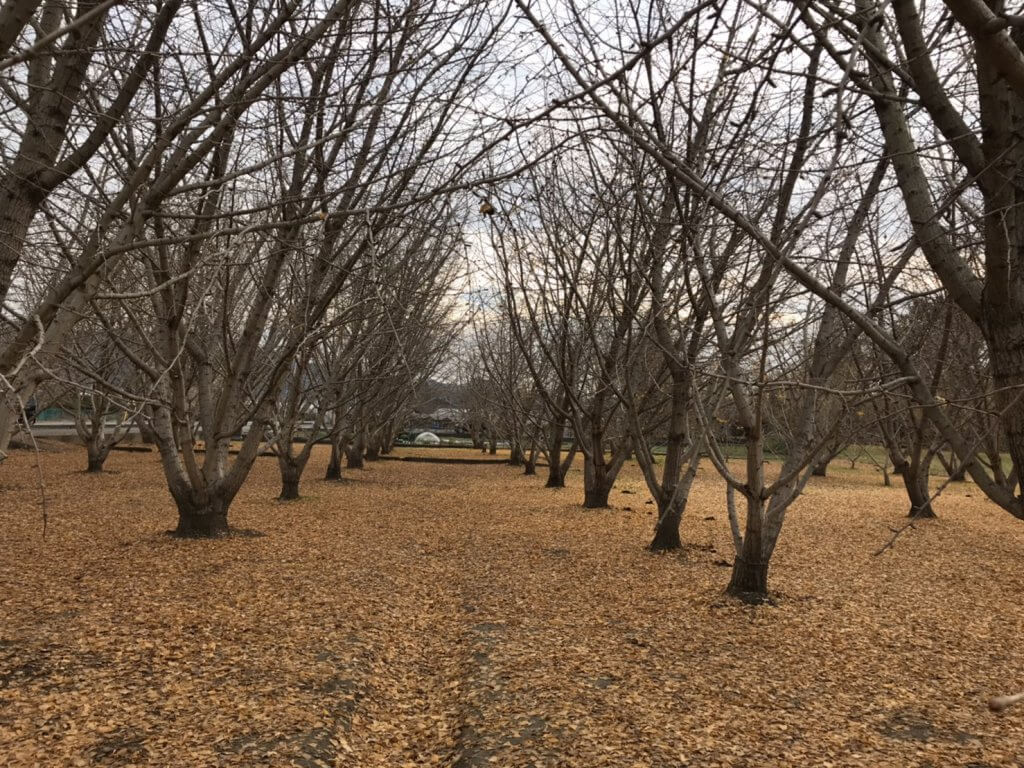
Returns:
(427, 438)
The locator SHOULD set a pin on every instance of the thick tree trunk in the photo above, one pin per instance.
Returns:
(289, 489)
(555, 477)
(292, 468)
(820, 469)
(206, 521)
(666, 531)
(596, 497)
(492, 447)
(95, 462)
(749, 580)
(373, 451)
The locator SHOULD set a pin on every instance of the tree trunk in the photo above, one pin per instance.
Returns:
(956, 474)
(289, 489)
(354, 457)
(334, 464)
(915, 480)
(596, 497)
(206, 521)
(556, 478)
(373, 451)
(917, 491)
(671, 504)
(598, 479)
(95, 461)
(291, 474)
(530, 465)
(666, 531)
(820, 469)
(516, 458)
(749, 580)
(493, 446)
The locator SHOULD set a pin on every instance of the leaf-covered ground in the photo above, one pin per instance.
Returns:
(424, 614)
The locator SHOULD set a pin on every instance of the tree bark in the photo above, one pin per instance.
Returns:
(530, 465)
(915, 480)
(596, 497)
(516, 458)
(206, 521)
(820, 469)
(289, 488)
(292, 468)
(917, 492)
(1007, 348)
(556, 478)
(666, 531)
(671, 505)
(354, 456)
(97, 456)
(749, 580)
(334, 464)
